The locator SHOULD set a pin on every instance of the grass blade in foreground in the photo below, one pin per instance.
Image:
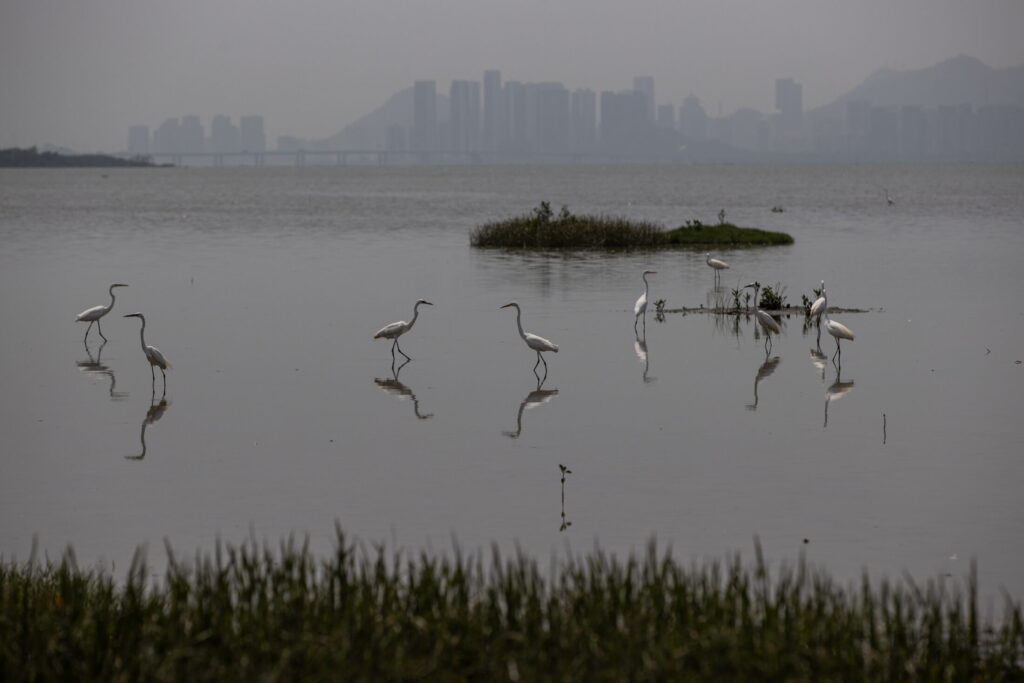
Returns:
(250, 613)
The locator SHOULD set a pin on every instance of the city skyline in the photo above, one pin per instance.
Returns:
(492, 120)
(79, 76)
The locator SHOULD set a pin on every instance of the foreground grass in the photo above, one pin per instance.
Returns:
(250, 614)
(543, 230)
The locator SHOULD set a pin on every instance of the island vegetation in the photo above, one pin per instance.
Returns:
(251, 613)
(542, 229)
(30, 157)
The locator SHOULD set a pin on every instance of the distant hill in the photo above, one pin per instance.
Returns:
(370, 131)
(959, 80)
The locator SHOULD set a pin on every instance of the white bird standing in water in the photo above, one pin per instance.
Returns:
(715, 264)
(153, 355)
(538, 344)
(839, 331)
(889, 200)
(397, 329)
(768, 323)
(93, 315)
(640, 307)
(819, 305)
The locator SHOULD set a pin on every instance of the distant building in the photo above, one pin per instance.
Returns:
(290, 143)
(515, 117)
(223, 136)
(789, 101)
(166, 138)
(667, 116)
(494, 111)
(251, 137)
(190, 137)
(645, 85)
(464, 116)
(913, 133)
(138, 140)
(693, 120)
(624, 125)
(552, 118)
(424, 127)
(582, 120)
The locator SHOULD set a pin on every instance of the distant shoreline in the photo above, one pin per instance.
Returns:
(32, 158)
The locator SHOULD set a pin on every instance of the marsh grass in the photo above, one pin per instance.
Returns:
(250, 613)
(543, 230)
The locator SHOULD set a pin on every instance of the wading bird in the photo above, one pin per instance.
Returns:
(153, 355)
(767, 322)
(839, 331)
(93, 315)
(818, 307)
(640, 307)
(715, 264)
(397, 329)
(538, 344)
(889, 200)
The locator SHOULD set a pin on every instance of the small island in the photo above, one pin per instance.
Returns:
(542, 230)
(30, 157)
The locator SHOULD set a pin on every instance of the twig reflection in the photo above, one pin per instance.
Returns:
(565, 523)
(396, 388)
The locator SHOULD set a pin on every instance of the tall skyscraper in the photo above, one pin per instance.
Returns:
(424, 127)
(464, 116)
(251, 137)
(645, 84)
(583, 120)
(493, 111)
(515, 116)
(789, 101)
(624, 125)
(223, 136)
(693, 120)
(552, 118)
(138, 140)
(667, 116)
(190, 135)
(166, 138)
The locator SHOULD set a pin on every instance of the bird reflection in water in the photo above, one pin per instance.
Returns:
(394, 387)
(94, 367)
(834, 392)
(640, 348)
(818, 360)
(155, 412)
(767, 368)
(538, 396)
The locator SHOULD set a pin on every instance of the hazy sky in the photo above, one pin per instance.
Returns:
(79, 72)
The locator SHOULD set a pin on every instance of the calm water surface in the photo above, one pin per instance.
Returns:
(282, 414)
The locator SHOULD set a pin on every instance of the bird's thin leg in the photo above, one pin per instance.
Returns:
(100, 328)
(401, 351)
(86, 337)
(539, 359)
(837, 350)
(636, 320)
(393, 345)
(165, 382)
(539, 355)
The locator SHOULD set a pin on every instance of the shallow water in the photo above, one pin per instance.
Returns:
(264, 287)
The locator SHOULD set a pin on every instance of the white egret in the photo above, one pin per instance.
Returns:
(715, 264)
(538, 344)
(93, 315)
(640, 307)
(819, 305)
(768, 323)
(153, 355)
(397, 329)
(839, 331)
(889, 200)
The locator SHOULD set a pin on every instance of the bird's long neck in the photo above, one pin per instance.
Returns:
(142, 333)
(645, 285)
(415, 314)
(519, 322)
(111, 290)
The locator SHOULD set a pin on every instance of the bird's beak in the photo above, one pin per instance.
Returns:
(428, 303)
(119, 284)
(505, 306)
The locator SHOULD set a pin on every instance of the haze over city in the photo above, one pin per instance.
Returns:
(78, 75)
